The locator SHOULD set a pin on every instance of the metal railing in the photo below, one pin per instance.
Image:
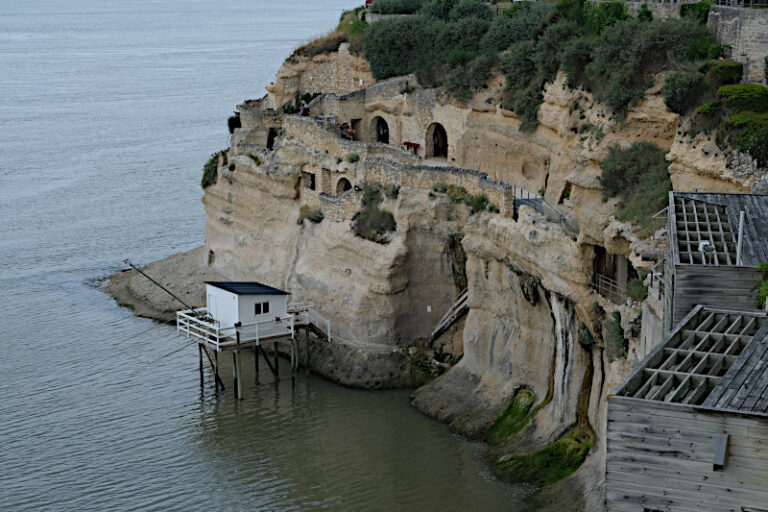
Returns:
(609, 288)
(305, 314)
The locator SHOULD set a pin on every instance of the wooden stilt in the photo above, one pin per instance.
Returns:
(256, 362)
(306, 349)
(277, 355)
(217, 381)
(238, 374)
(266, 359)
(293, 362)
(234, 372)
(200, 356)
(216, 370)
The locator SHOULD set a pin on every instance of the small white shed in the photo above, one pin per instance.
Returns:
(246, 302)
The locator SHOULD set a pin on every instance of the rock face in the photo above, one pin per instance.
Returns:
(336, 72)
(528, 260)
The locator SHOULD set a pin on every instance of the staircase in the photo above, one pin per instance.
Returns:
(456, 311)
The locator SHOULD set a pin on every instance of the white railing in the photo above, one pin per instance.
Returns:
(609, 288)
(197, 324)
(305, 314)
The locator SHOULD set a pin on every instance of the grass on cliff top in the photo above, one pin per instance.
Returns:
(210, 172)
(513, 419)
(351, 29)
(549, 465)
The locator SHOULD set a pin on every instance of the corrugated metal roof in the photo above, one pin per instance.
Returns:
(246, 288)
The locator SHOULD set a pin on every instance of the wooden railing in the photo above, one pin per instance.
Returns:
(197, 324)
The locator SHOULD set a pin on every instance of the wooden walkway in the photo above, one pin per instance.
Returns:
(456, 311)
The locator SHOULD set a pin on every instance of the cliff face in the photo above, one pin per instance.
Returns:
(529, 267)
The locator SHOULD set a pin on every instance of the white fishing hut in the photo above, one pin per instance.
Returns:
(246, 302)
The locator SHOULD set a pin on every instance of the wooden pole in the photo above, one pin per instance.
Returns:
(306, 348)
(293, 362)
(216, 370)
(200, 356)
(256, 361)
(238, 374)
(234, 372)
(277, 369)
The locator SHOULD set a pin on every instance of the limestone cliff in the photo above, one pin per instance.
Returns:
(529, 260)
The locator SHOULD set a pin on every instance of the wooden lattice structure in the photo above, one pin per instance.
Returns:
(706, 262)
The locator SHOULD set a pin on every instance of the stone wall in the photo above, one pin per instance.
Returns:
(746, 31)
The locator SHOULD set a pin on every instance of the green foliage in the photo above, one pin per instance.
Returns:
(471, 9)
(585, 338)
(464, 81)
(683, 91)
(550, 464)
(396, 6)
(233, 123)
(754, 140)
(326, 44)
(516, 25)
(371, 222)
(460, 195)
(698, 12)
(459, 58)
(353, 157)
(637, 290)
(314, 215)
(744, 97)
(604, 14)
(637, 175)
(255, 159)
(723, 71)
(210, 171)
(762, 286)
(644, 13)
(765, 72)
(613, 334)
(513, 419)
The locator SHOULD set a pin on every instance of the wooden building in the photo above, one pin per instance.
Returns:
(714, 244)
(688, 428)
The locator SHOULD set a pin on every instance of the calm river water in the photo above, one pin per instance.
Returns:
(108, 109)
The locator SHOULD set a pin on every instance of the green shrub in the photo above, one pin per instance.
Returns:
(210, 171)
(765, 71)
(513, 419)
(459, 58)
(233, 123)
(723, 71)
(470, 9)
(516, 25)
(440, 187)
(548, 465)
(636, 290)
(644, 13)
(683, 91)
(744, 97)
(613, 334)
(314, 215)
(392, 191)
(604, 14)
(698, 12)
(585, 338)
(396, 6)
(255, 159)
(371, 222)
(754, 140)
(637, 175)
(353, 157)
(464, 81)
(762, 286)
(326, 44)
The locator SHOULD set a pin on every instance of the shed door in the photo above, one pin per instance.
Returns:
(212, 305)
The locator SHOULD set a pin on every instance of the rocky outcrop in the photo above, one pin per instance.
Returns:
(334, 72)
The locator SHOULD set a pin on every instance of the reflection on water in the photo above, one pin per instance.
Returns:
(108, 111)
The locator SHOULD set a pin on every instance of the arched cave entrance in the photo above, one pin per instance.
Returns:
(271, 136)
(381, 129)
(342, 186)
(437, 141)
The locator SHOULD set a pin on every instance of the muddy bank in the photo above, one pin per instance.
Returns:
(182, 273)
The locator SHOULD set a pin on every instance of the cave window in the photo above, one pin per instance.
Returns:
(437, 141)
(271, 136)
(308, 180)
(380, 129)
(611, 273)
(342, 186)
(566, 193)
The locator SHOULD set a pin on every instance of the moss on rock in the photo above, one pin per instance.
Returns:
(513, 419)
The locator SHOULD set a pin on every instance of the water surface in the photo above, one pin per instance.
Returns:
(108, 109)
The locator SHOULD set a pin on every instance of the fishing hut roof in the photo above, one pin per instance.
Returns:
(246, 288)
(714, 218)
(715, 358)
